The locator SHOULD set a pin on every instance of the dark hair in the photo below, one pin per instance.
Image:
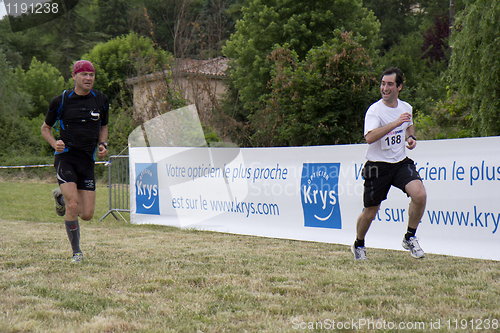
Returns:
(398, 72)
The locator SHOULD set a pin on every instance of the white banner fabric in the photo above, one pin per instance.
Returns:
(315, 194)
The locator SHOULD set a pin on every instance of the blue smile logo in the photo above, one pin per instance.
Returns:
(146, 185)
(319, 194)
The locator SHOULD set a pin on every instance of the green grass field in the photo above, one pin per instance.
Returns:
(163, 279)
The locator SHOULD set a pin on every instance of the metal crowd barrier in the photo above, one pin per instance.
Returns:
(119, 194)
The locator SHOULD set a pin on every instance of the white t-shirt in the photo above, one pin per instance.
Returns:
(391, 147)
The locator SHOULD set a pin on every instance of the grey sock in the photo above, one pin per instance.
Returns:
(73, 230)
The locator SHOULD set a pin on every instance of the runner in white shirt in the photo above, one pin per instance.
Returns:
(388, 129)
(391, 147)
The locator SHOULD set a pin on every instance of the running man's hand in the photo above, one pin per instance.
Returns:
(411, 143)
(403, 118)
(60, 146)
(103, 151)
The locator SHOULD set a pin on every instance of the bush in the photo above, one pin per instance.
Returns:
(451, 118)
(43, 82)
(318, 101)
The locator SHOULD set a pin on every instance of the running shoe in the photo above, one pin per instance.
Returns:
(60, 209)
(359, 252)
(415, 249)
(77, 258)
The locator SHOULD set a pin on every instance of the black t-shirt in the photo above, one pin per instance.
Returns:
(81, 119)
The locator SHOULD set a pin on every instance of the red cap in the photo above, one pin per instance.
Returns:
(83, 66)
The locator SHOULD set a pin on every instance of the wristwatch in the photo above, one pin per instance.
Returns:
(104, 144)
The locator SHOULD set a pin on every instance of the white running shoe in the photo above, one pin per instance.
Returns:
(415, 249)
(359, 252)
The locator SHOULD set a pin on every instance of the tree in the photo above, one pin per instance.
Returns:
(396, 17)
(15, 133)
(169, 23)
(43, 82)
(14, 102)
(215, 27)
(59, 42)
(400, 18)
(474, 65)
(113, 17)
(20, 48)
(124, 57)
(317, 101)
(435, 47)
(186, 28)
(301, 25)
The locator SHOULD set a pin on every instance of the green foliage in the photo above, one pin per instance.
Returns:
(43, 82)
(475, 69)
(14, 102)
(121, 124)
(319, 100)
(59, 42)
(113, 17)
(21, 48)
(186, 28)
(15, 134)
(211, 136)
(124, 57)
(451, 118)
(301, 25)
(22, 142)
(33, 61)
(12, 55)
(401, 18)
(215, 27)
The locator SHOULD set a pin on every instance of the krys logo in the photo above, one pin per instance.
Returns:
(146, 183)
(319, 192)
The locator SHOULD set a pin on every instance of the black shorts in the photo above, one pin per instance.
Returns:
(380, 176)
(75, 167)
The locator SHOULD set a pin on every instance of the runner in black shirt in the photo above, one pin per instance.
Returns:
(83, 116)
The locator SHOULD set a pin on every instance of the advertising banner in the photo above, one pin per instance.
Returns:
(315, 194)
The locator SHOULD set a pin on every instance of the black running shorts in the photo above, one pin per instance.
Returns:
(75, 167)
(380, 176)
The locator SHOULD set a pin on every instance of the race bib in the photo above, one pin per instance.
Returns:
(392, 140)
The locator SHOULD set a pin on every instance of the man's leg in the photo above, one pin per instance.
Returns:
(86, 204)
(70, 193)
(78, 203)
(363, 224)
(416, 191)
(365, 220)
